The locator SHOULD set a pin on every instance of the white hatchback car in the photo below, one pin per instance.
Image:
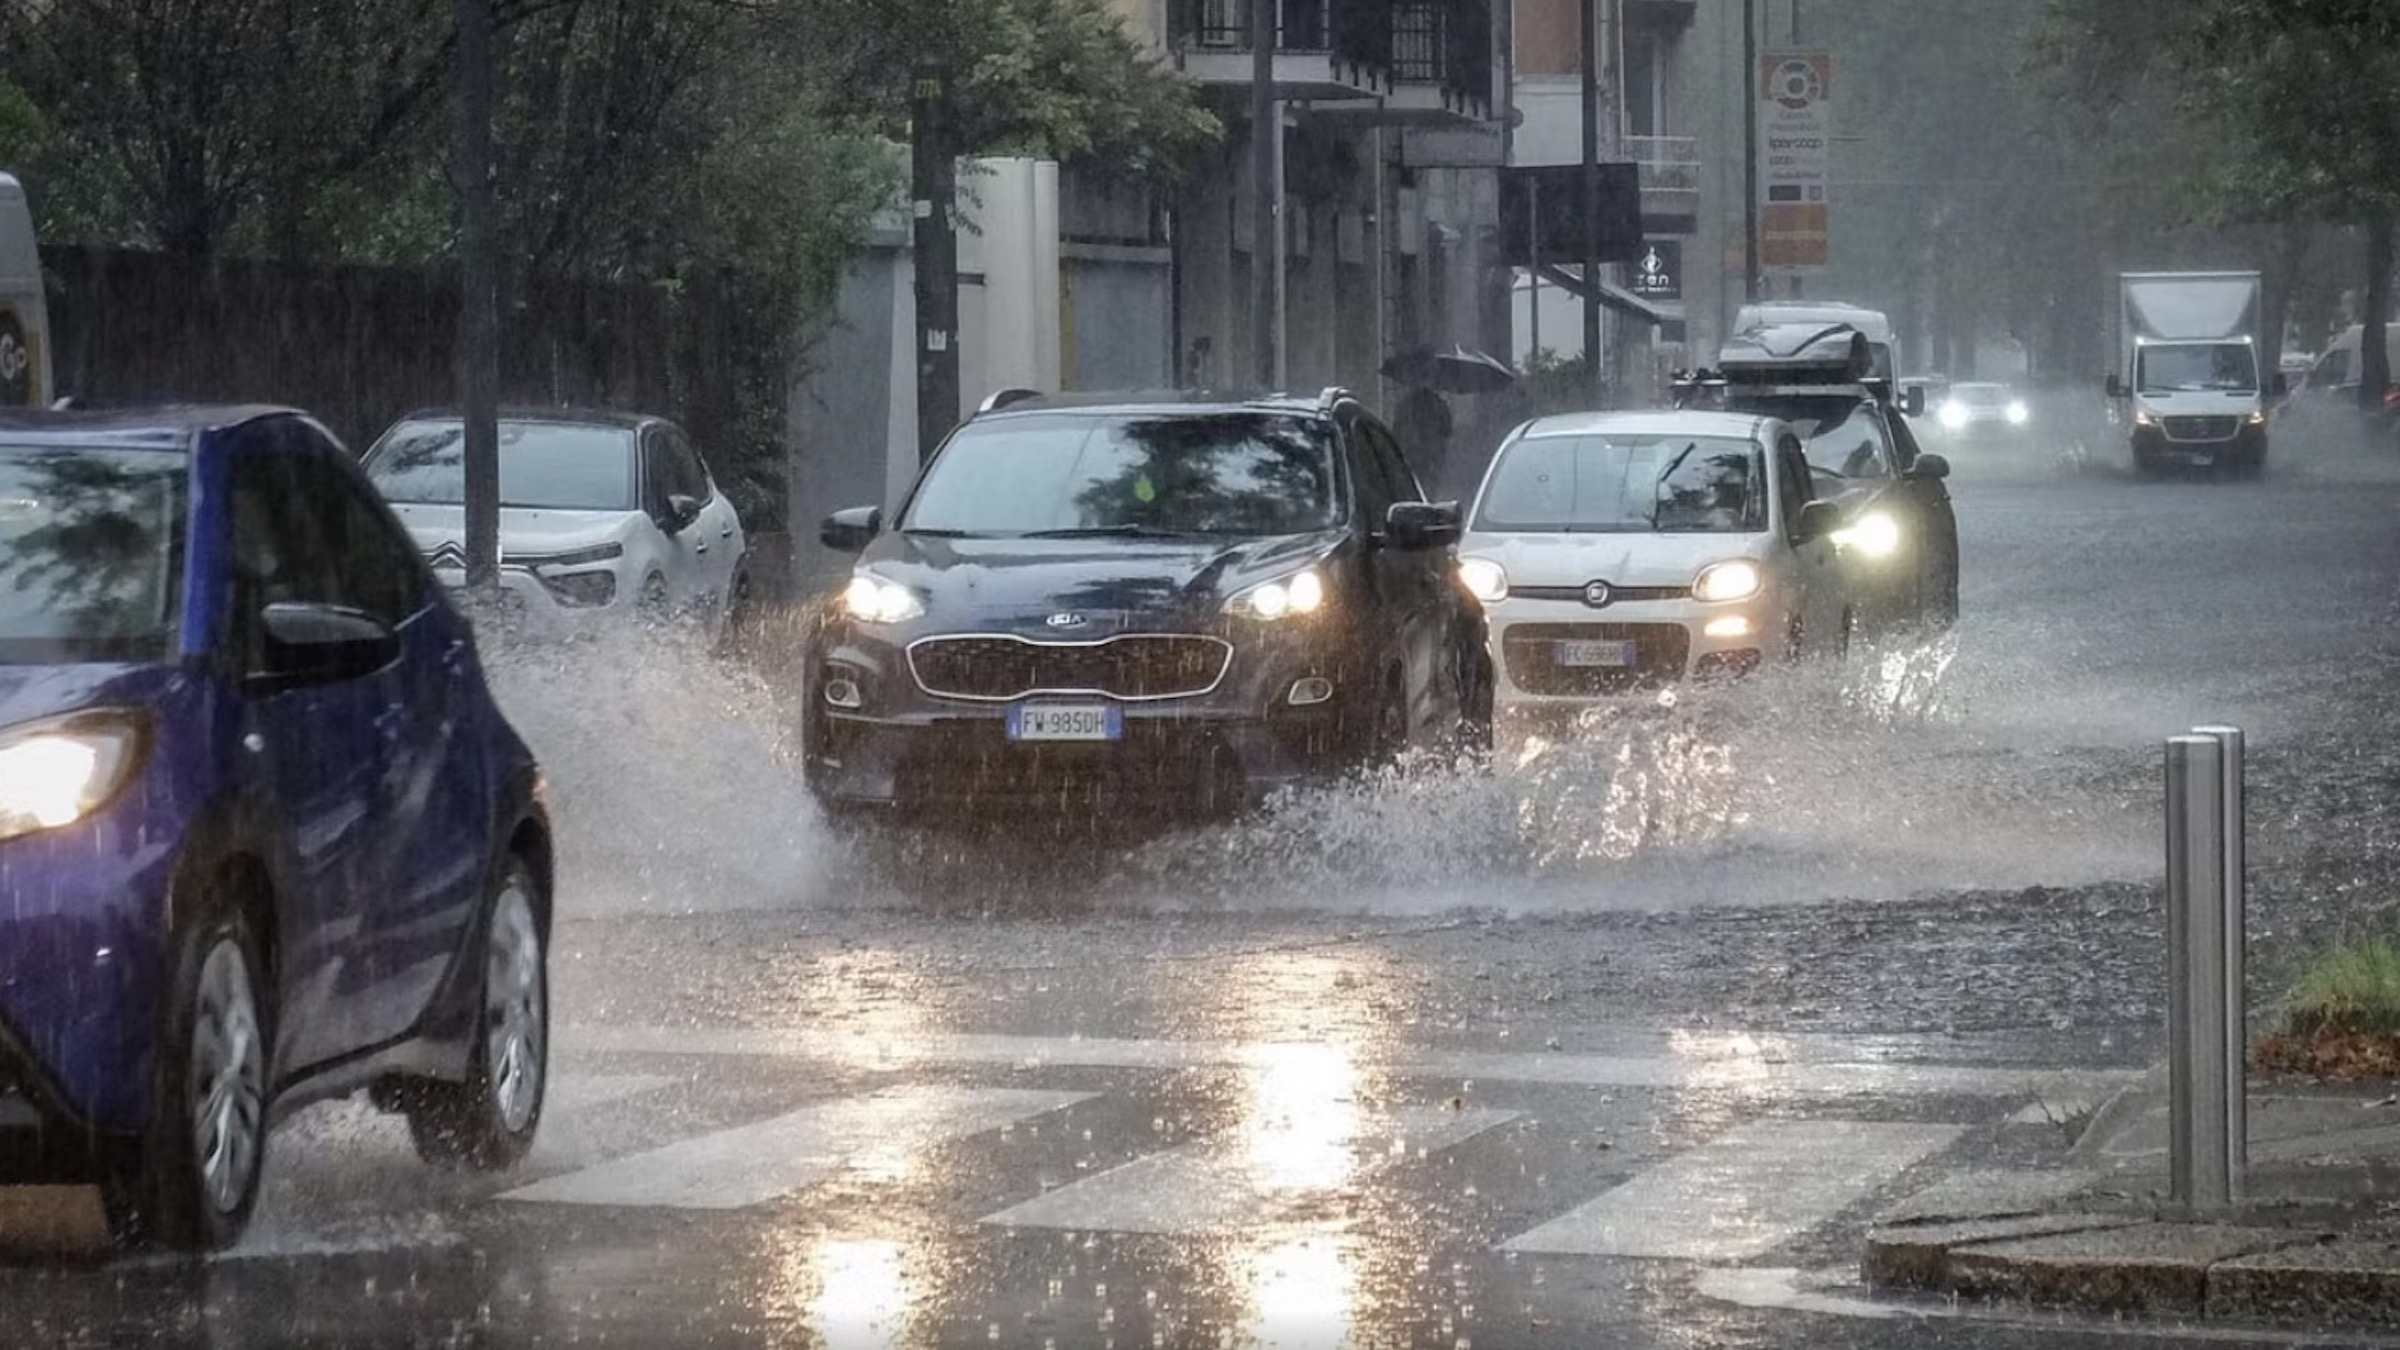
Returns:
(1627, 551)
(598, 511)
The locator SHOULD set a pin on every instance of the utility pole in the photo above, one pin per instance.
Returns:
(478, 314)
(1266, 199)
(1591, 193)
(1750, 271)
(933, 194)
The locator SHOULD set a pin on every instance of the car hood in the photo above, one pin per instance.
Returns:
(525, 531)
(1550, 559)
(1109, 582)
(31, 693)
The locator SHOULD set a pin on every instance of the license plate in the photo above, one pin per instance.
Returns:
(1066, 722)
(1595, 654)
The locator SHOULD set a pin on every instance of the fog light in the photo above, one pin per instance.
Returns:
(1727, 626)
(843, 694)
(1311, 690)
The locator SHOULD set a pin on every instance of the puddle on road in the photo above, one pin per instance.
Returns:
(1923, 768)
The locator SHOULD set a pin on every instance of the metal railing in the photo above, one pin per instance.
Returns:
(1224, 25)
(1445, 42)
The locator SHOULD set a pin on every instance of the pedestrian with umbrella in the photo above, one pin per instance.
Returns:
(1422, 421)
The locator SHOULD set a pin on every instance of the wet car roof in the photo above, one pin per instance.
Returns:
(597, 417)
(165, 428)
(1655, 422)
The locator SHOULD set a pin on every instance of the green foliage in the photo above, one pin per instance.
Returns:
(2352, 988)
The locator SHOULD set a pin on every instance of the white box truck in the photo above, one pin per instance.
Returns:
(2188, 389)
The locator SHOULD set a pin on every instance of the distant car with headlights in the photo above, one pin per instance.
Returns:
(1088, 607)
(1618, 552)
(1980, 412)
(265, 837)
(1899, 545)
(600, 512)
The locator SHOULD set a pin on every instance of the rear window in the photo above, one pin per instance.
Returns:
(560, 466)
(1602, 484)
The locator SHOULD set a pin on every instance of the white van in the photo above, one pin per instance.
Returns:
(2336, 373)
(24, 319)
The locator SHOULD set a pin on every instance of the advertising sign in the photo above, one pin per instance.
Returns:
(1795, 158)
(1658, 272)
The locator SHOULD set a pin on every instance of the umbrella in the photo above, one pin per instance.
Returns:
(1454, 369)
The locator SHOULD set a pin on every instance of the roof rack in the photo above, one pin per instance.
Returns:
(1001, 398)
(1330, 397)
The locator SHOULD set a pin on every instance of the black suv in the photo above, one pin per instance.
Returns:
(1900, 546)
(1178, 603)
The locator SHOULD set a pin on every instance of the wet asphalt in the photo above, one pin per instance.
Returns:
(1619, 1044)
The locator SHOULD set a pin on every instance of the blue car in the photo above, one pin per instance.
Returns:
(265, 838)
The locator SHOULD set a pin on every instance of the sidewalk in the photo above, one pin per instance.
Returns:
(2317, 1239)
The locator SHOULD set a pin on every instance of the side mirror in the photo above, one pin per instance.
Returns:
(1930, 466)
(682, 510)
(851, 530)
(1818, 519)
(1912, 400)
(324, 644)
(1415, 526)
(2116, 387)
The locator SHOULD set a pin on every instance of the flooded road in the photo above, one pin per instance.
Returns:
(1618, 1043)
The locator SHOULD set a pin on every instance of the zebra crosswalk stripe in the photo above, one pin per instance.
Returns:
(752, 1164)
(1246, 1180)
(1743, 1193)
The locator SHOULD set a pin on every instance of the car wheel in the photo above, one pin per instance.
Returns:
(652, 604)
(198, 1176)
(1388, 734)
(1937, 595)
(488, 1121)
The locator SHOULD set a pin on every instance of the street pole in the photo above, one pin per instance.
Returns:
(478, 315)
(1750, 150)
(1591, 195)
(1266, 191)
(2208, 1128)
(933, 191)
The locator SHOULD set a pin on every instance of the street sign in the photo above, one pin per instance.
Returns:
(1795, 158)
(1658, 272)
(1542, 219)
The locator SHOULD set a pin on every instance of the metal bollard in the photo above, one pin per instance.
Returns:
(2208, 1129)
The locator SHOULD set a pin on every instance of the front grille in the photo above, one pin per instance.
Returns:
(1617, 595)
(2201, 428)
(1532, 653)
(995, 669)
(969, 765)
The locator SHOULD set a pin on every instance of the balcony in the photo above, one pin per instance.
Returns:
(1669, 168)
(1671, 15)
(1441, 61)
(1324, 49)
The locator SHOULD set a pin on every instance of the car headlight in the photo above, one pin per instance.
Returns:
(58, 773)
(2257, 417)
(1484, 579)
(874, 599)
(2143, 417)
(1736, 580)
(1300, 593)
(2017, 413)
(586, 590)
(1873, 535)
(1954, 415)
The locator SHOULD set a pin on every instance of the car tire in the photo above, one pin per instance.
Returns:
(654, 602)
(200, 1163)
(488, 1122)
(1937, 590)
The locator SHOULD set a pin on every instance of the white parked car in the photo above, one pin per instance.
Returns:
(598, 511)
(1627, 551)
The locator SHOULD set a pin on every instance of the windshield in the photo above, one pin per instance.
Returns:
(1219, 473)
(561, 466)
(1981, 395)
(2228, 366)
(91, 554)
(1839, 435)
(1628, 483)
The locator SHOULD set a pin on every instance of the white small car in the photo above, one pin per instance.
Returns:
(599, 511)
(1620, 552)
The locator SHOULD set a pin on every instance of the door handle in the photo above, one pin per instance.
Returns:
(701, 547)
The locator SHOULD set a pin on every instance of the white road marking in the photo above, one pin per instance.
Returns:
(1749, 1075)
(1232, 1182)
(1743, 1193)
(2053, 1110)
(751, 1164)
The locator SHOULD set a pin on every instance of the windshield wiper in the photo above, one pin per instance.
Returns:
(938, 532)
(1129, 531)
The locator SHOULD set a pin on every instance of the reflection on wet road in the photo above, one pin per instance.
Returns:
(1618, 1043)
